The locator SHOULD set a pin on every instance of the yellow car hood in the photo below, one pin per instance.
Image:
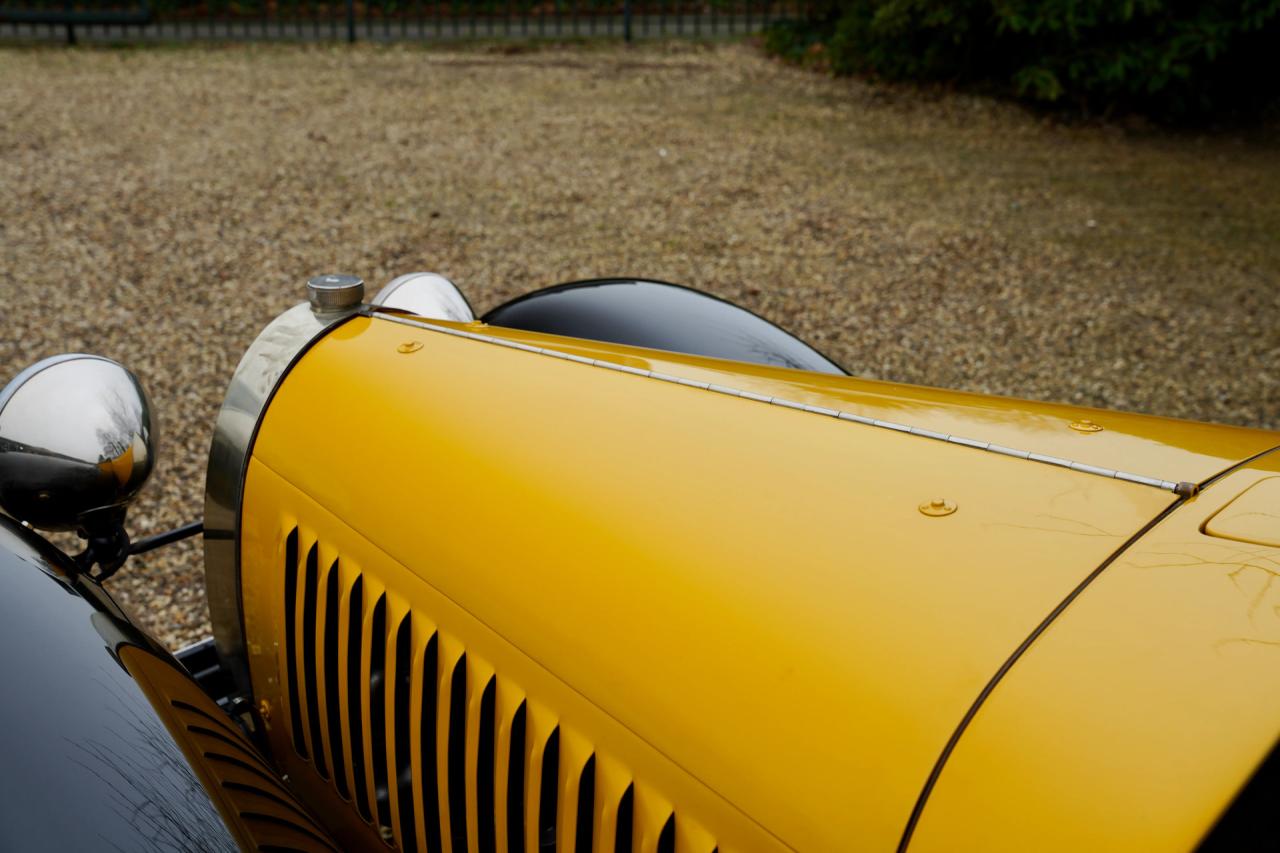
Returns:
(752, 590)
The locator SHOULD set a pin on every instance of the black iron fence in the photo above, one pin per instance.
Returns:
(382, 20)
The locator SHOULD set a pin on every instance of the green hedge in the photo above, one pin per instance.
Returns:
(1173, 59)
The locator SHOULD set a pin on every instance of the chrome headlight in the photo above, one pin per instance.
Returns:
(77, 438)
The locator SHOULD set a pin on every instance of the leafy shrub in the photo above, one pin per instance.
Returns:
(792, 40)
(1170, 58)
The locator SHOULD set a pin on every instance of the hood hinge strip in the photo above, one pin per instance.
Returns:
(1182, 489)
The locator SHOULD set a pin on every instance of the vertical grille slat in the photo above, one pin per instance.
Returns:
(548, 789)
(486, 816)
(609, 786)
(450, 663)
(427, 746)
(405, 802)
(355, 696)
(667, 838)
(332, 699)
(291, 639)
(507, 704)
(377, 688)
(478, 771)
(575, 754)
(625, 828)
(650, 814)
(539, 724)
(515, 783)
(311, 683)
(456, 757)
(582, 834)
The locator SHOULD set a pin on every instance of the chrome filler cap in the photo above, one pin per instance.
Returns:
(335, 292)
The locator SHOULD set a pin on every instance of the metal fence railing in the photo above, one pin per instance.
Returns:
(381, 20)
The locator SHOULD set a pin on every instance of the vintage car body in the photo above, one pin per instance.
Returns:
(604, 573)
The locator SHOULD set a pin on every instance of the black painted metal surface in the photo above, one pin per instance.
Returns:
(87, 763)
(661, 316)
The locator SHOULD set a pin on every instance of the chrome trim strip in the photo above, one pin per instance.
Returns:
(1043, 459)
(252, 385)
(1092, 469)
(190, 647)
(1050, 460)
(719, 389)
(928, 433)
(891, 425)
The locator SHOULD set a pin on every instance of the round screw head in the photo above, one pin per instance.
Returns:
(335, 292)
(937, 507)
(1085, 425)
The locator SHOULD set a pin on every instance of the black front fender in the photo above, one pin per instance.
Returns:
(108, 744)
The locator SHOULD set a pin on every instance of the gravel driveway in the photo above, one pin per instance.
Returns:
(159, 206)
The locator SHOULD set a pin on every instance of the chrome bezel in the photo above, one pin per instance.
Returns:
(266, 362)
(426, 294)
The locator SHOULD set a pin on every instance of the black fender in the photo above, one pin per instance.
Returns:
(658, 315)
(108, 743)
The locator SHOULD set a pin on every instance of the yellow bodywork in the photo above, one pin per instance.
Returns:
(1252, 518)
(737, 610)
(1132, 722)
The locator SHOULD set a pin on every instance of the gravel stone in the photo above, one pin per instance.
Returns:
(159, 206)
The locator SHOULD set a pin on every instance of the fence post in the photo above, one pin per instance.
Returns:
(351, 21)
(626, 21)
